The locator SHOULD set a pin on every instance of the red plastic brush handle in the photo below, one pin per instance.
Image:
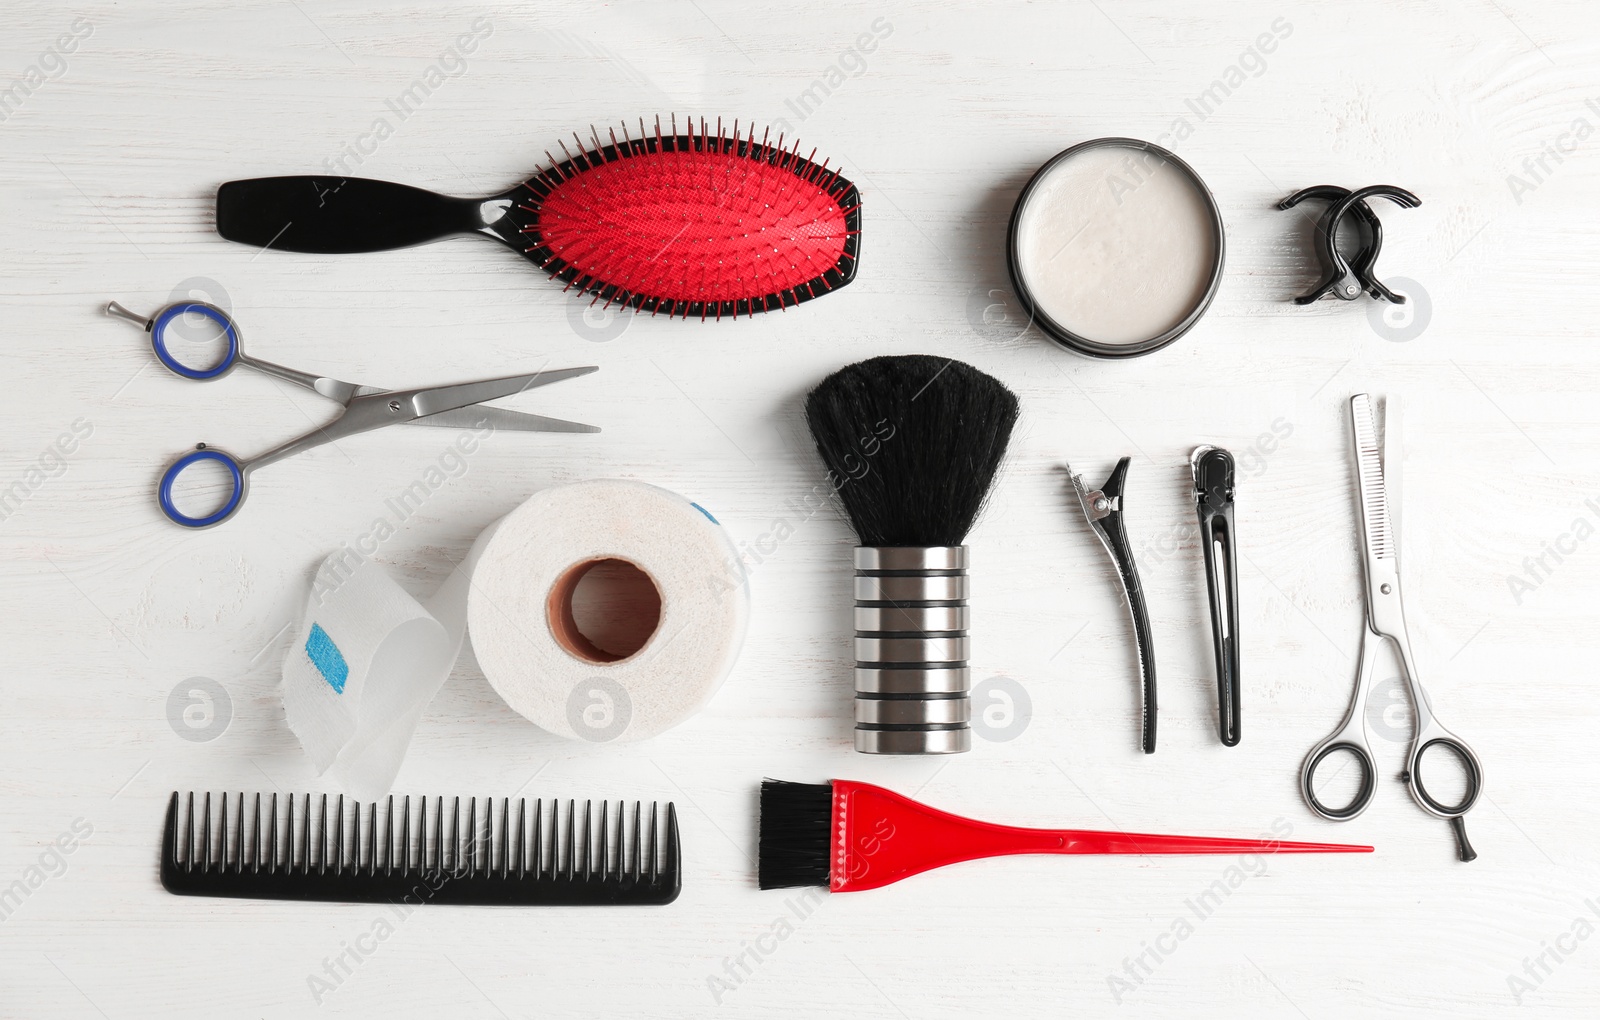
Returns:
(880, 837)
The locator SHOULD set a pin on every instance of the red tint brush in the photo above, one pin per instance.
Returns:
(702, 224)
(852, 836)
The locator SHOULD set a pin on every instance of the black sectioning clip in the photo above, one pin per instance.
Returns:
(1343, 278)
(1213, 489)
(1103, 508)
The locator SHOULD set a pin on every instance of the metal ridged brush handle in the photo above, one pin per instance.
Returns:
(912, 679)
(373, 855)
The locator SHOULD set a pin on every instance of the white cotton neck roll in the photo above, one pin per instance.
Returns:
(1116, 244)
(368, 657)
(522, 644)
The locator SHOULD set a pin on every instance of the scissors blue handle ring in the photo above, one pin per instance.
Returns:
(158, 340)
(164, 492)
(1369, 779)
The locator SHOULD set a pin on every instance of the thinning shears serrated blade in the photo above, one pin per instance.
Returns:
(1376, 528)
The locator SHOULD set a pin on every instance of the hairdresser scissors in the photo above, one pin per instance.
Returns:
(1385, 618)
(365, 407)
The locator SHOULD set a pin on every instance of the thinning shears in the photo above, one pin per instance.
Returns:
(1385, 619)
(365, 407)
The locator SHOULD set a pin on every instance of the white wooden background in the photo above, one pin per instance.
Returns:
(106, 190)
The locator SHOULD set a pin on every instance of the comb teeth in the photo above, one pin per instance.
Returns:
(351, 854)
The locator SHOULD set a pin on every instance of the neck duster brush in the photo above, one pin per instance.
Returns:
(848, 836)
(701, 225)
(912, 444)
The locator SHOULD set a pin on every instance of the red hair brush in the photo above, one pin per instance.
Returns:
(699, 224)
(852, 836)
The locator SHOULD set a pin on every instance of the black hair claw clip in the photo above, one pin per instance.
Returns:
(1343, 278)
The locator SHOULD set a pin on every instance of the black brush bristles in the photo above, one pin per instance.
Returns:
(912, 443)
(796, 830)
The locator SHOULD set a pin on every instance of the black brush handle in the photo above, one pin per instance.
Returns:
(334, 215)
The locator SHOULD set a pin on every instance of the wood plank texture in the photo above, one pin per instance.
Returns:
(109, 161)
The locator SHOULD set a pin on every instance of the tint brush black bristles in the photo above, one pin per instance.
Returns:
(912, 444)
(512, 855)
(796, 831)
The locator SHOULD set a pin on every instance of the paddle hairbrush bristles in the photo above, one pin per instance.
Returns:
(698, 224)
(949, 425)
(702, 224)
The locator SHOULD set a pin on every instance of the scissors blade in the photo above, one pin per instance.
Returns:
(434, 399)
(500, 419)
(1393, 461)
(1377, 529)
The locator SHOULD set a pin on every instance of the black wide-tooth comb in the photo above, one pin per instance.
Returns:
(542, 861)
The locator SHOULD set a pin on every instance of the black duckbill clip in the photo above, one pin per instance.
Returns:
(1213, 473)
(1103, 509)
(1343, 278)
